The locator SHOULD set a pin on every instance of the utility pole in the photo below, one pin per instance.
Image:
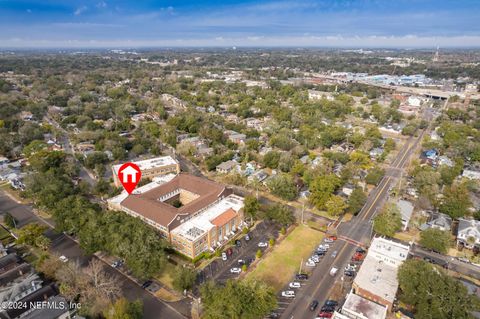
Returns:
(301, 263)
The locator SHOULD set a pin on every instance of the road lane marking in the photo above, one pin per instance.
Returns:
(376, 199)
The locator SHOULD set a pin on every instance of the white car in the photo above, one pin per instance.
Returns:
(324, 246)
(224, 256)
(310, 263)
(262, 244)
(235, 270)
(63, 258)
(288, 294)
(294, 284)
(328, 240)
(315, 259)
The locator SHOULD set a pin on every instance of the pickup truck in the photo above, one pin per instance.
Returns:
(333, 271)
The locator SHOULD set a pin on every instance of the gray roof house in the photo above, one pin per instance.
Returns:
(468, 233)
(406, 210)
(438, 221)
(226, 167)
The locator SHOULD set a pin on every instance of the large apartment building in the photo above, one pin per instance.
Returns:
(151, 168)
(193, 213)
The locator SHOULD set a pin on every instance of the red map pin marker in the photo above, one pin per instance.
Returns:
(129, 175)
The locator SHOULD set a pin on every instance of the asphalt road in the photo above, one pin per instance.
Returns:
(357, 231)
(64, 245)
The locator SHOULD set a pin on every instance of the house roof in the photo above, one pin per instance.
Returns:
(469, 228)
(224, 218)
(368, 309)
(149, 206)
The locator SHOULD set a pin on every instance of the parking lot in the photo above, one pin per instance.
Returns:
(219, 270)
(346, 272)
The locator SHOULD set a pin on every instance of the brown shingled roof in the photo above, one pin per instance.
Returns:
(148, 205)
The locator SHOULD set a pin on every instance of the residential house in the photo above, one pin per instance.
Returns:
(376, 152)
(471, 172)
(468, 233)
(438, 221)
(226, 167)
(258, 176)
(406, 209)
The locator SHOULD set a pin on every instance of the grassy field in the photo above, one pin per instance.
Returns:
(279, 265)
(166, 277)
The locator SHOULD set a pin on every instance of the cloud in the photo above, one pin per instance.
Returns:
(101, 4)
(80, 10)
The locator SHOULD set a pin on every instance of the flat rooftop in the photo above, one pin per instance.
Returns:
(378, 277)
(368, 309)
(151, 163)
(213, 216)
(381, 247)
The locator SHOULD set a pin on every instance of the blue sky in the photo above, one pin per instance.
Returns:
(345, 23)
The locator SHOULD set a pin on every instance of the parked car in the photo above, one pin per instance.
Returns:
(327, 308)
(333, 271)
(241, 262)
(328, 240)
(464, 259)
(334, 254)
(294, 284)
(332, 237)
(429, 260)
(310, 263)
(117, 263)
(224, 256)
(247, 237)
(288, 293)
(146, 284)
(301, 277)
(229, 251)
(350, 267)
(313, 305)
(349, 273)
(320, 253)
(324, 246)
(235, 270)
(315, 259)
(325, 315)
(63, 258)
(262, 244)
(238, 243)
(360, 250)
(332, 303)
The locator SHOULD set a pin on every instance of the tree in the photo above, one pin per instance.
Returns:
(435, 239)
(246, 299)
(374, 176)
(9, 220)
(283, 186)
(251, 206)
(456, 201)
(280, 213)
(184, 278)
(335, 205)
(271, 159)
(32, 235)
(322, 188)
(356, 201)
(389, 221)
(432, 293)
(124, 309)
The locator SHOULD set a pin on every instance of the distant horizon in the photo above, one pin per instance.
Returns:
(243, 23)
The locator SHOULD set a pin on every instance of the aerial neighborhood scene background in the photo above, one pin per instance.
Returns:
(240, 159)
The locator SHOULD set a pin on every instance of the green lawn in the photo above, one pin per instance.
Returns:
(167, 275)
(280, 264)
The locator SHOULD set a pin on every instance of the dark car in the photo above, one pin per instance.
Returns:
(301, 276)
(349, 273)
(331, 303)
(360, 250)
(328, 309)
(430, 260)
(229, 251)
(313, 305)
(320, 253)
(146, 284)
(238, 243)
